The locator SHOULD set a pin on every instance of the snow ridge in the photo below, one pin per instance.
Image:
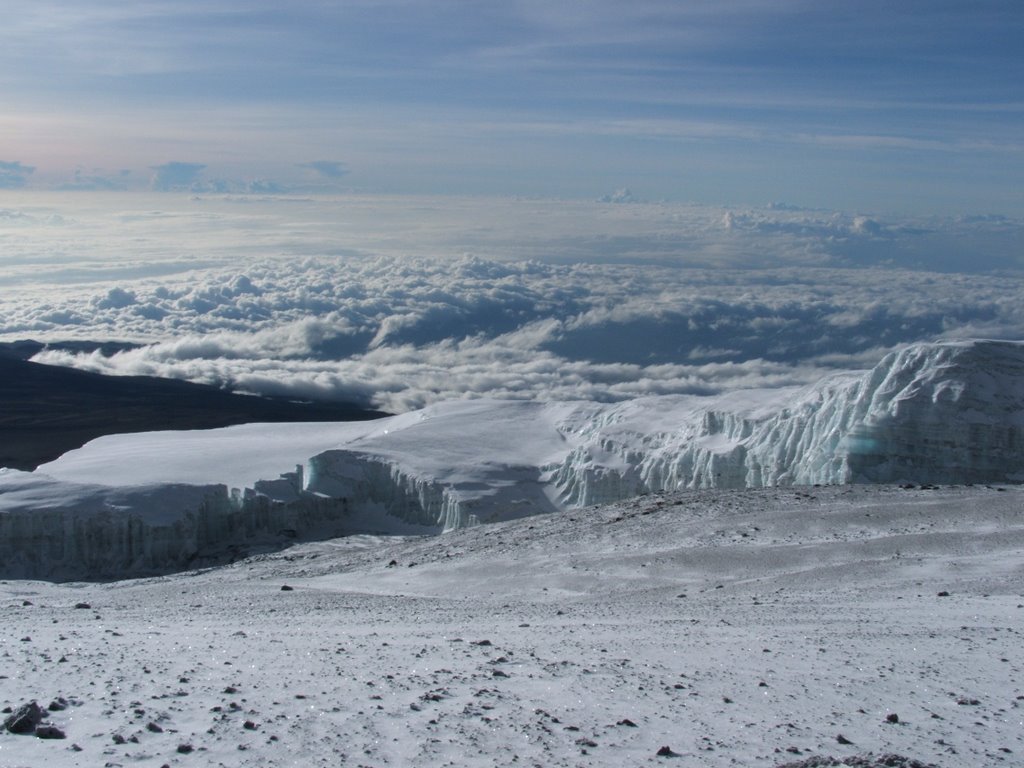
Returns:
(929, 413)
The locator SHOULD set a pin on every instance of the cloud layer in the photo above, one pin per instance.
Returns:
(627, 300)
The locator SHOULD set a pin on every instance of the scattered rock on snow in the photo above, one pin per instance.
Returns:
(861, 761)
(49, 731)
(24, 719)
(58, 705)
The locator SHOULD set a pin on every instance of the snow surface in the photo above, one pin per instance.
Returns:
(152, 502)
(746, 628)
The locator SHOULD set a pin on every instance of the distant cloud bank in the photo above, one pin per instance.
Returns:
(175, 176)
(14, 175)
(384, 301)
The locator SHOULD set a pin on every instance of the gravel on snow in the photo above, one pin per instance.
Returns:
(801, 626)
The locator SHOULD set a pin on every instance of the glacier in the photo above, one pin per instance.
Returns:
(138, 504)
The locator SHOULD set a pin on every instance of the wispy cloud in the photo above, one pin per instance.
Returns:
(175, 175)
(14, 174)
(329, 169)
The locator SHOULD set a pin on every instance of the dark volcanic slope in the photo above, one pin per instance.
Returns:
(47, 410)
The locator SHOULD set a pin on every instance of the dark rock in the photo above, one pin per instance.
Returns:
(627, 722)
(24, 719)
(58, 705)
(82, 606)
(892, 718)
(286, 588)
(860, 761)
(154, 728)
(943, 593)
(843, 740)
(667, 752)
(184, 749)
(49, 731)
(249, 725)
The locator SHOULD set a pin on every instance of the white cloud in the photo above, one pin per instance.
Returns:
(322, 297)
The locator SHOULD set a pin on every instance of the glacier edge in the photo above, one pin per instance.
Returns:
(929, 413)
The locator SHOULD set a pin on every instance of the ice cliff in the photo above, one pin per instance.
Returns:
(939, 413)
(136, 504)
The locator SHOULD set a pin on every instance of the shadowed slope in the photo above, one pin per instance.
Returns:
(47, 410)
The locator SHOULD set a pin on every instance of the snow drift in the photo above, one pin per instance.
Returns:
(144, 503)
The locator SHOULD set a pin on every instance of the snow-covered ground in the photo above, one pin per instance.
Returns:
(746, 628)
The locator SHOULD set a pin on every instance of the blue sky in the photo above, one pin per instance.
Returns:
(854, 105)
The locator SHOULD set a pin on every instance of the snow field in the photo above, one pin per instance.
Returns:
(736, 627)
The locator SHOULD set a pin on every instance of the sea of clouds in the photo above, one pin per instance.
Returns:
(396, 302)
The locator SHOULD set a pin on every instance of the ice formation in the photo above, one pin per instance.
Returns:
(145, 503)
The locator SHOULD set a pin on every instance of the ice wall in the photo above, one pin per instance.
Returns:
(941, 413)
(59, 531)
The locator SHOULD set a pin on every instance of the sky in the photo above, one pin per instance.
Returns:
(914, 107)
(398, 202)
